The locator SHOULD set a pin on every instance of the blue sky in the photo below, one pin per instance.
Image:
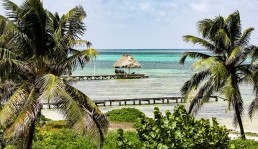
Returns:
(151, 23)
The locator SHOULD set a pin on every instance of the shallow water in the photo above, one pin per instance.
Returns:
(166, 77)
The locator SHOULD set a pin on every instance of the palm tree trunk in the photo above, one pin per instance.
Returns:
(237, 99)
(239, 119)
(29, 137)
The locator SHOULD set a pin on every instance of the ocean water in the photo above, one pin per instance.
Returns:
(166, 77)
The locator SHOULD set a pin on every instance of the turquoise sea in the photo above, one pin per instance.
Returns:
(166, 76)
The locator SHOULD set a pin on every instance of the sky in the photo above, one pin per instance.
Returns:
(151, 24)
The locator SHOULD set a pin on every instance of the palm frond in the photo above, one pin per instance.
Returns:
(233, 22)
(234, 55)
(50, 86)
(7, 54)
(7, 88)
(80, 111)
(80, 42)
(78, 59)
(12, 8)
(13, 105)
(246, 73)
(201, 97)
(193, 55)
(204, 27)
(11, 67)
(71, 23)
(200, 41)
(245, 37)
(228, 90)
(223, 38)
(28, 112)
(253, 107)
(194, 82)
(254, 53)
(219, 72)
(98, 122)
(205, 63)
(218, 24)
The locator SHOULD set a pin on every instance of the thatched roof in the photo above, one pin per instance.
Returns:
(127, 61)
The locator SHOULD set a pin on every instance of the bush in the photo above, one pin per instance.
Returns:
(243, 144)
(128, 139)
(124, 115)
(63, 139)
(180, 130)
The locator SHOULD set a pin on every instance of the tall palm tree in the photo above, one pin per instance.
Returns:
(36, 49)
(221, 69)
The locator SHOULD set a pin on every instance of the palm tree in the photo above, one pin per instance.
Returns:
(221, 69)
(36, 49)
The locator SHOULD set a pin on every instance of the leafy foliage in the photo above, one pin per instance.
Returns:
(124, 115)
(61, 140)
(122, 142)
(65, 138)
(244, 144)
(180, 130)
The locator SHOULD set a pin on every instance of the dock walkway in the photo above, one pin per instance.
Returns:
(133, 101)
(106, 77)
(140, 101)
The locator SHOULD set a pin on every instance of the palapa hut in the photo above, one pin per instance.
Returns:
(126, 61)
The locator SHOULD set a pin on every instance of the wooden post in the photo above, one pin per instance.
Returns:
(140, 102)
(154, 101)
(119, 103)
(176, 100)
(163, 100)
(104, 103)
(133, 102)
(125, 102)
(148, 101)
(110, 103)
(168, 100)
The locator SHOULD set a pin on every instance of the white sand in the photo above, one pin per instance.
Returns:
(54, 115)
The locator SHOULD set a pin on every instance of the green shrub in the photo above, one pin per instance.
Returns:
(243, 144)
(124, 115)
(128, 139)
(63, 139)
(180, 130)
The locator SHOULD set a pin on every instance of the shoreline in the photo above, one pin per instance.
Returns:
(54, 115)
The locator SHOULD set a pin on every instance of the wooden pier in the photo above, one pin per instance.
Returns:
(106, 77)
(133, 101)
(140, 101)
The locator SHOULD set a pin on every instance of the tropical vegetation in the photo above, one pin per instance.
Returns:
(124, 115)
(224, 67)
(36, 50)
(180, 130)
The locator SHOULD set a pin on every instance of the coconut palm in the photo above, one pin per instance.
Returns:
(36, 49)
(223, 68)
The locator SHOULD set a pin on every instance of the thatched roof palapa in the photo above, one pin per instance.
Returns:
(127, 61)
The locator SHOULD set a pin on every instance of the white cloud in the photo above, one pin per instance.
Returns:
(201, 7)
(144, 6)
